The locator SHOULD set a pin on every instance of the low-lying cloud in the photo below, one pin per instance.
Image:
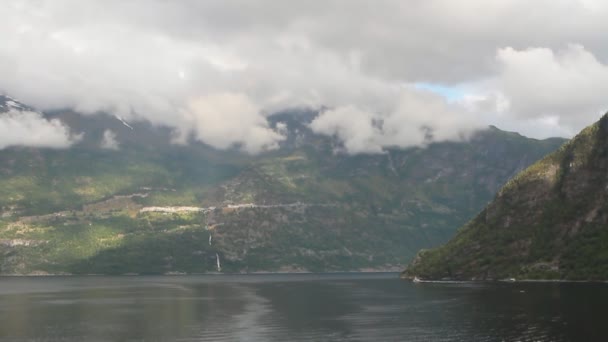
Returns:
(108, 141)
(417, 118)
(228, 120)
(25, 128)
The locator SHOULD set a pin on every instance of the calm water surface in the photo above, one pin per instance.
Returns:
(334, 307)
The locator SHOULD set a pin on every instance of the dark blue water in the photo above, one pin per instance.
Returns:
(344, 307)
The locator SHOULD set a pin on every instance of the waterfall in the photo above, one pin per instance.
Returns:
(217, 258)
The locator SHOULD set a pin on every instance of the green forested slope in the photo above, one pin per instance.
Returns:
(549, 222)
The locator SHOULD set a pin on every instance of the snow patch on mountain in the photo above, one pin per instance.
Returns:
(123, 121)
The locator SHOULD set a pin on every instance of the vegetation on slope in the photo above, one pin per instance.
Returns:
(80, 210)
(549, 222)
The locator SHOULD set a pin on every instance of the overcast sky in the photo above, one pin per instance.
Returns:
(387, 71)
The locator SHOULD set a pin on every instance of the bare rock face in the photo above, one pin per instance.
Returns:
(549, 222)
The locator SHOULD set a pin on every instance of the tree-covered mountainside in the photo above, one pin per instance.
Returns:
(549, 222)
(151, 206)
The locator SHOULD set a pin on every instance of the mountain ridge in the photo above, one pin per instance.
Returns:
(546, 223)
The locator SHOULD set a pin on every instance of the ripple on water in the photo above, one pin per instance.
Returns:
(311, 308)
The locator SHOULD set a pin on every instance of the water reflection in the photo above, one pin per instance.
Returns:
(296, 308)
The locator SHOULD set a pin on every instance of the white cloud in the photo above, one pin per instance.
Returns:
(148, 60)
(226, 120)
(569, 85)
(282, 128)
(109, 141)
(24, 128)
(417, 117)
(353, 126)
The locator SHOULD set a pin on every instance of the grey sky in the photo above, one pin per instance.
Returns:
(215, 69)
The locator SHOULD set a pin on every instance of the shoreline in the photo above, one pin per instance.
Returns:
(197, 274)
(283, 273)
(519, 281)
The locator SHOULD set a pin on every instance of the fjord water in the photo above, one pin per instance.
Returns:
(305, 307)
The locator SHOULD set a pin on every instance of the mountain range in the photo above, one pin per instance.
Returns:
(148, 206)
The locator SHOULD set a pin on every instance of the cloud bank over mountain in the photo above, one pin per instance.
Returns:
(26, 128)
(213, 70)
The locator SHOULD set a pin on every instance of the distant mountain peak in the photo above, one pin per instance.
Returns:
(9, 103)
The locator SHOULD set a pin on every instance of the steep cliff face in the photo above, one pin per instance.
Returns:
(549, 222)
